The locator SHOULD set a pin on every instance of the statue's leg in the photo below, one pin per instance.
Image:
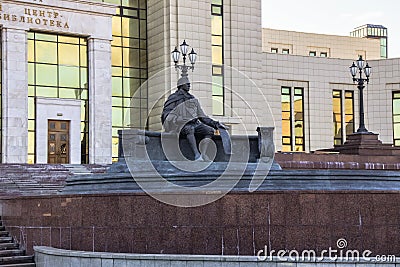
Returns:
(188, 130)
(206, 132)
(192, 142)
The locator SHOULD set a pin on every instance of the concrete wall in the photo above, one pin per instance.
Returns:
(49, 257)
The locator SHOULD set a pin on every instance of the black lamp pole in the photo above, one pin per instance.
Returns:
(360, 85)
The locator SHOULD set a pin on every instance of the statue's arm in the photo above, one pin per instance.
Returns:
(205, 119)
(208, 121)
(167, 118)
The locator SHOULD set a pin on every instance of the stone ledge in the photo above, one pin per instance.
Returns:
(207, 260)
(107, 255)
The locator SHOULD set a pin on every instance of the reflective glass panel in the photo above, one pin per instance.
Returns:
(31, 51)
(46, 52)
(46, 75)
(216, 25)
(218, 105)
(46, 92)
(69, 76)
(217, 56)
(217, 40)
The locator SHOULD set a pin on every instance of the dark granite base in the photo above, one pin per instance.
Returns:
(239, 224)
(121, 181)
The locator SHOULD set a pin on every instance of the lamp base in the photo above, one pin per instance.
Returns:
(366, 143)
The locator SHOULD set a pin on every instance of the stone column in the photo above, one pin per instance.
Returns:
(14, 96)
(100, 111)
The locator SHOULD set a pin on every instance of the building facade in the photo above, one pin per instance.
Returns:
(320, 45)
(75, 72)
(372, 31)
(56, 79)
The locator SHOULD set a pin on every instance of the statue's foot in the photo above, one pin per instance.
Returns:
(198, 158)
(205, 158)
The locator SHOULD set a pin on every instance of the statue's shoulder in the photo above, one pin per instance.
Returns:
(173, 96)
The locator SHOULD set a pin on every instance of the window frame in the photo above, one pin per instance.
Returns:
(292, 94)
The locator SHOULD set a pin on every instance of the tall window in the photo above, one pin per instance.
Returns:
(337, 117)
(1, 105)
(342, 102)
(396, 118)
(57, 68)
(293, 119)
(299, 119)
(286, 119)
(384, 47)
(217, 28)
(129, 68)
(349, 112)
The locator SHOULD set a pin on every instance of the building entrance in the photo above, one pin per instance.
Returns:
(58, 142)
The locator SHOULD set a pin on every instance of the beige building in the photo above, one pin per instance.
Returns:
(319, 45)
(74, 72)
(318, 101)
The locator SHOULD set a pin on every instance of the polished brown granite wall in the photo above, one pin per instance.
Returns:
(238, 224)
(318, 160)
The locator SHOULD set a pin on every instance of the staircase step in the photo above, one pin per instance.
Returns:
(6, 239)
(6, 246)
(20, 265)
(12, 252)
(16, 259)
(3, 233)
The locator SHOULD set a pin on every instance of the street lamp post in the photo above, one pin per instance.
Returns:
(192, 58)
(360, 85)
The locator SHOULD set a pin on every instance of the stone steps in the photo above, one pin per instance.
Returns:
(3, 234)
(7, 246)
(77, 169)
(6, 239)
(16, 259)
(20, 265)
(40, 179)
(10, 253)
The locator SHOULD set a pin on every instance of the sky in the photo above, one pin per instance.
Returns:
(337, 17)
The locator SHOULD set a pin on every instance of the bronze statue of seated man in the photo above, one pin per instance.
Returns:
(183, 114)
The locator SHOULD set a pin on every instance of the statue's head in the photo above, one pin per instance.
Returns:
(184, 83)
